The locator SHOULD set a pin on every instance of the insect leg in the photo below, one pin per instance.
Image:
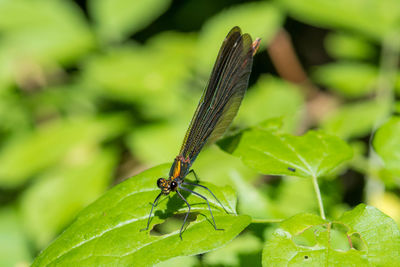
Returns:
(202, 186)
(187, 213)
(208, 204)
(195, 175)
(155, 203)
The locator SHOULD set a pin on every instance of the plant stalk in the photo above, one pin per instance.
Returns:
(319, 198)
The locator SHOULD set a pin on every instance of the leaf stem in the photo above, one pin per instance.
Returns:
(319, 198)
(266, 220)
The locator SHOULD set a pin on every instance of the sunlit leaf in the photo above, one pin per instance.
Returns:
(312, 155)
(348, 46)
(55, 198)
(355, 119)
(259, 19)
(387, 144)
(375, 18)
(116, 19)
(349, 79)
(25, 156)
(14, 246)
(108, 231)
(363, 236)
(379, 232)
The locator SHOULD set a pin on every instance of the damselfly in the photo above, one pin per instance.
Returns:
(217, 108)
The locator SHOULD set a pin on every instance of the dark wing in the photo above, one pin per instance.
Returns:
(224, 93)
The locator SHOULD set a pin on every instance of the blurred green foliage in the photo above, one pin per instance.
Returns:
(93, 92)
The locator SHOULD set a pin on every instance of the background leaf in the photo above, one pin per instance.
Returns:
(18, 159)
(116, 19)
(270, 98)
(260, 19)
(348, 46)
(244, 250)
(387, 144)
(14, 248)
(366, 113)
(58, 195)
(151, 74)
(349, 79)
(348, 14)
(40, 34)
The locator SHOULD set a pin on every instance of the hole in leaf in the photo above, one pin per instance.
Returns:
(333, 235)
(357, 242)
(173, 223)
(306, 238)
(305, 257)
(338, 237)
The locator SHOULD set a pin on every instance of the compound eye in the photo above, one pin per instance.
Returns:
(160, 182)
(173, 185)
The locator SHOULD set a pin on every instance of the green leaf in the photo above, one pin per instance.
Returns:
(269, 98)
(108, 231)
(40, 34)
(27, 155)
(261, 19)
(348, 46)
(148, 75)
(312, 155)
(251, 201)
(387, 144)
(292, 195)
(363, 236)
(396, 107)
(367, 114)
(349, 79)
(56, 197)
(397, 91)
(379, 232)
(375, 18)
(14, 115)
(117, 19)
(71, 99)
(14, 246)
(158, 142)
(187, 261)
(245, 250)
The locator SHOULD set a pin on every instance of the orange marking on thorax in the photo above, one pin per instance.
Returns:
(177, 170)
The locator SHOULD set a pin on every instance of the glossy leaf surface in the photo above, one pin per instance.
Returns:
(108, 231)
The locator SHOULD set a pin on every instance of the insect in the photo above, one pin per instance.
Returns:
(217, 108)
